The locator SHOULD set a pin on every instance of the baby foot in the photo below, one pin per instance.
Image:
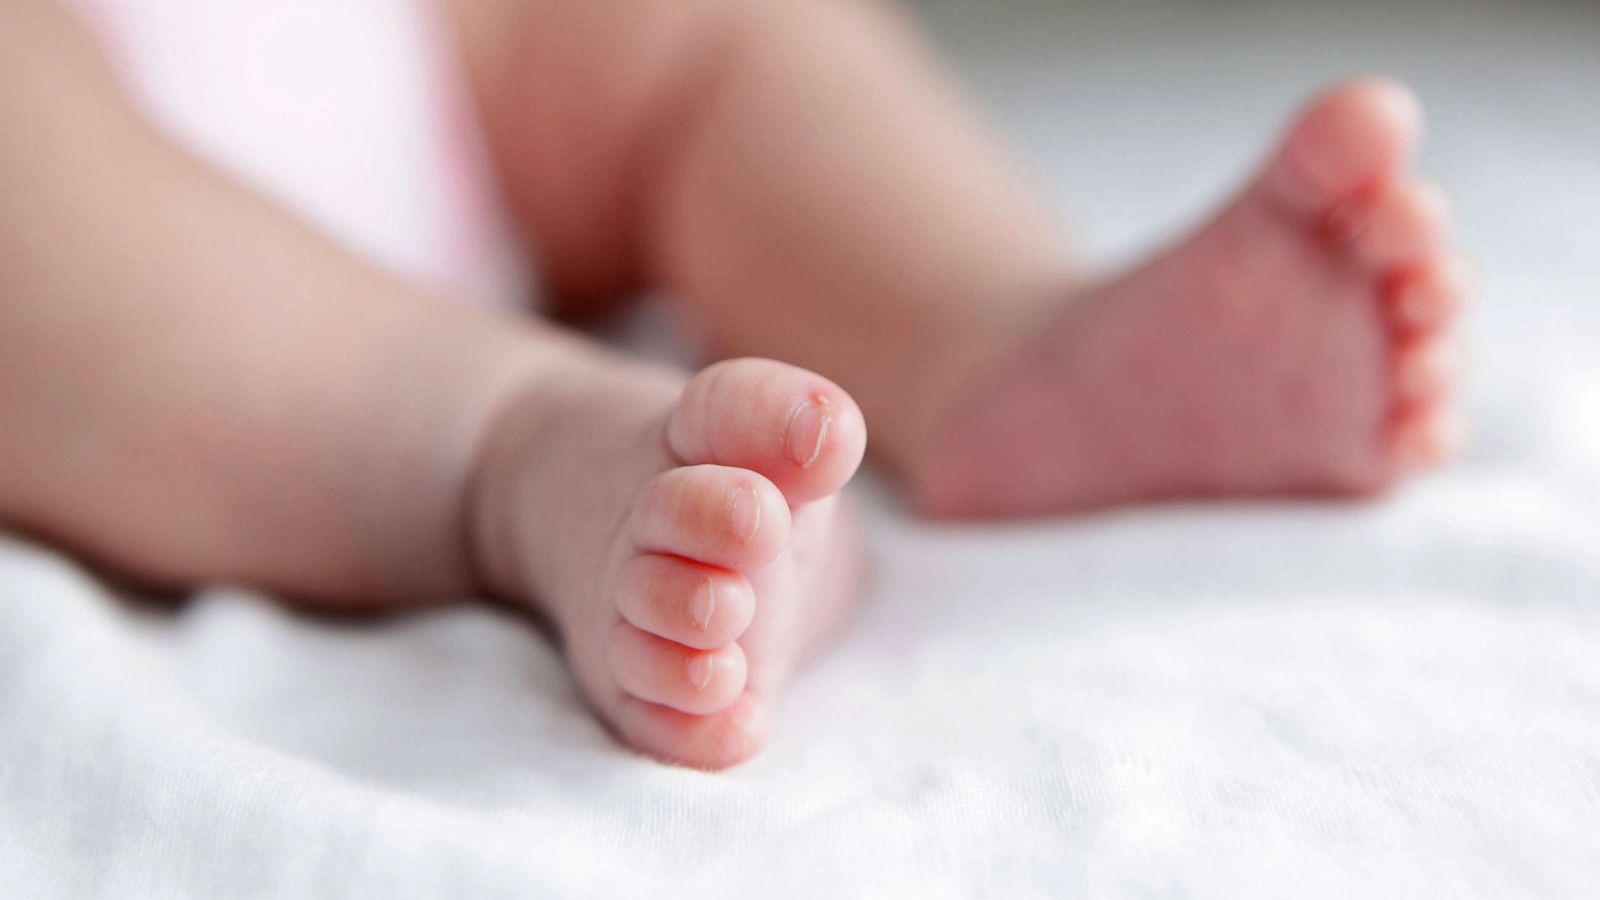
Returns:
(686, 539)
(1299, 343)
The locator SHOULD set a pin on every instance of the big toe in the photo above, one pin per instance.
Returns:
(796, 428)
(1348, 141)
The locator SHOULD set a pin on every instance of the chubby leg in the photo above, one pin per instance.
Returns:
(194, 387)
(796, 172)
(800, 175)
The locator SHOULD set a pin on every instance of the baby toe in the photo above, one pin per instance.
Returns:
(696, 605)
(1425, 436)
(1406, 223)
(1428, 296)
(659, 671)
(798, 429)
(1350, 139)
(716, 741)
(1427, 368)
(719, 515)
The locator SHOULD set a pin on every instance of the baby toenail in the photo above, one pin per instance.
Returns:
(703, 605)
(745, 513)
(700, 669)
(808, 428)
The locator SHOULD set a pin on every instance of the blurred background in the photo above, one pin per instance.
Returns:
(1139, 114)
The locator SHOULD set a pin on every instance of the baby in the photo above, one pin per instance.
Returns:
(195, 386)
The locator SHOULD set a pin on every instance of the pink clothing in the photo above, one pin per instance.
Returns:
(353, 114)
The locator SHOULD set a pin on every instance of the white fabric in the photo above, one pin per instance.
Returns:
(1390, 700)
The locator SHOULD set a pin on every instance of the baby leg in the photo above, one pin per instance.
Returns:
(800, 175)
(197, 388)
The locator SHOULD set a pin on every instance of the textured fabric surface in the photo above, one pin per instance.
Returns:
(1249, 700)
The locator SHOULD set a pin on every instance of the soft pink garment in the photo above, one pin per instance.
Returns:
(352, 113)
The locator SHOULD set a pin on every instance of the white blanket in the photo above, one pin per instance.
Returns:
(1397, 699)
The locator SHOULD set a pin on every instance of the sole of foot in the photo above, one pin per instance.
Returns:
(1301, 342)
